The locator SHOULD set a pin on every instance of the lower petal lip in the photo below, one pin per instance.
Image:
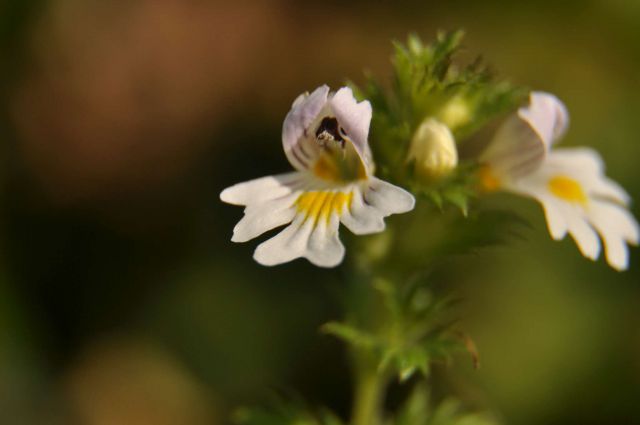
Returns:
(313, 215)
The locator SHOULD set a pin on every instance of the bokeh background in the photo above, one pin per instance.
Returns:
(122, 300)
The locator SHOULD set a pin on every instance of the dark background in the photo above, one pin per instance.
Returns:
(122, 300)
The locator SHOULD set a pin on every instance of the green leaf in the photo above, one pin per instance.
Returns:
(351, 334)
(410, 361)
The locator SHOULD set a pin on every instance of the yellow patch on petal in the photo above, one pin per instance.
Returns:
(339, 165)
(567, 189)
(320, 205)
(489, 182)
(326, 169)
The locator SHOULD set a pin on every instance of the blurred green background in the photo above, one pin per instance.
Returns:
(122, 300)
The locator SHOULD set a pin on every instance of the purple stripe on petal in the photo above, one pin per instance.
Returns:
(298, 158)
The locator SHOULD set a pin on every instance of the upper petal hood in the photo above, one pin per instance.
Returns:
(547, 115)
(355, 118)
(304, 111)
(523, 141)
(305, 120)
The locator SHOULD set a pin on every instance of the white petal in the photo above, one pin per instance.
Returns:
(561, 217)
(556, 220)
(607, 188)
(355, 118)
(587, 166)
(387, 198)
(374, 201)
(361, 218)
(260, 218)
(303, 112)
(616, 252)
(617, 226)
(580, 160)
(316, 241)
(261, 190)
(324, 248)
(287, 245)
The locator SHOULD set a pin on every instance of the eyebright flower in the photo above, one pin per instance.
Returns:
(433, 150)
(324, 136)
(569, 183)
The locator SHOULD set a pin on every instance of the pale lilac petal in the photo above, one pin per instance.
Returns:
(302, 114)
(515, 150)
(355, 118)
(520, 145)
(547, 115)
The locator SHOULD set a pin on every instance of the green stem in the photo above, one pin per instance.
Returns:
(369, 396)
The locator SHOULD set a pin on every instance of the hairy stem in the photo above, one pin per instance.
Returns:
(369, 393)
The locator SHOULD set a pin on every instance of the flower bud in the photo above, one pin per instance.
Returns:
(433, 150)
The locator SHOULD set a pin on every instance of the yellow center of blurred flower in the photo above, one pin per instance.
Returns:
(320, 205)
(567, 189)
(489, 182)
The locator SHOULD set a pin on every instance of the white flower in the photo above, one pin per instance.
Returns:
(433, 150)
(570, 183)
(325, 139)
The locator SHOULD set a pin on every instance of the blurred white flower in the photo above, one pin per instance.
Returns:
(521, 144)
(325, 139)
(433, 150)
(569, 183)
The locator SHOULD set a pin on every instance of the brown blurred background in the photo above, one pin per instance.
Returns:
(122, 300)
